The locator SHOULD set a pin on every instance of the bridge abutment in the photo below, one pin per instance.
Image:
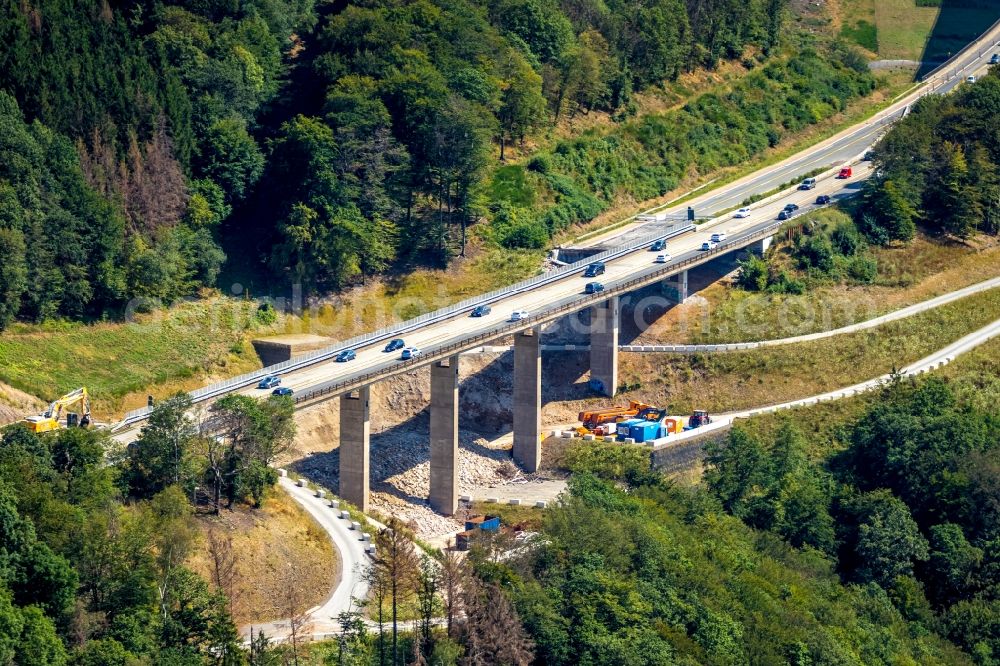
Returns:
(761, 246)
(604, 318)
(528, 399)
(355, 436)
(444, 436)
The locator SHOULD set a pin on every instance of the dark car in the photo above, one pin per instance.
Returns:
(269, 382)
(659, 245)
(282, 390)
(346, 355)
(822, 199)
(593, 288)
(868, 156)
(394, 345)
(791, 207)
(786, 214)
(995, 58)
(481, 310)
(594, 269)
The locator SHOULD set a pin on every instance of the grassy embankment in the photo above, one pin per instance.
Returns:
(739, 380)
(282, 559)
(162, 352)
(975, 376)
(907, 274)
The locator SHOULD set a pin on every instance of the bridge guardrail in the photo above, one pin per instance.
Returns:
(319, 356)
(327, 353)
(566, 306)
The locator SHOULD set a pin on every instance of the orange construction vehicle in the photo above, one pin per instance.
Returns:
(593, 418)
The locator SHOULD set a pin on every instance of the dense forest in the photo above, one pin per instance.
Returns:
(319, 141)
(882, 550)
(92, 555)
(908, 507)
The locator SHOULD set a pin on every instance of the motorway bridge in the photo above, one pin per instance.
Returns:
(445, 334)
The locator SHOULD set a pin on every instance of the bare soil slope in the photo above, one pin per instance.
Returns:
(282, 559)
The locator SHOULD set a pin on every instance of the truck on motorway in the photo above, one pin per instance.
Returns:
(845, 172)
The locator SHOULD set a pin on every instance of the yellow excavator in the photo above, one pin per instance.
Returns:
(58, 415)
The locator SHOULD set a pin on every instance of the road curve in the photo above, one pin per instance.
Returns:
(931, 362)
(322, 619)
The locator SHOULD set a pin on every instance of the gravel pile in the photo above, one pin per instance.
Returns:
(400, 475)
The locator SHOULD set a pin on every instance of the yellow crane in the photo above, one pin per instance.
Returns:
(59, 411)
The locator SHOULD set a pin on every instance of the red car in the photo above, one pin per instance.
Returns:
(845, 172)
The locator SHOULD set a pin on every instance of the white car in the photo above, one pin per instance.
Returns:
(742, 212)
(971, 78)
(408, 353)
(719, 237)
(518, 315)
(707, 245)
(662, 258)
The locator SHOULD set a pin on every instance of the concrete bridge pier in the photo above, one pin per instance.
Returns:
(528, 399)
(604, 318)
(676, 286)
(355, 436)
(444, 436)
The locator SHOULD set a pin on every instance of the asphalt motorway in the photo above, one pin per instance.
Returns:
(852, 143)
(375, 364)
(630, 266)
(842, 148)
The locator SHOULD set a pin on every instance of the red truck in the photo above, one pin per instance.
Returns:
(845, 172)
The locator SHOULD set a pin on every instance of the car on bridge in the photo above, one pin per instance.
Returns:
(394, 345)
(822, 199)
(282, 390)
(593, 288)
(718, 237)
(742, 213)
(594, 269)
(971, 78)
(481, 311)
(518, 315)
(707, 245)
(791, 208)
(408, 353)
(346, 355)
(786, 214)
(807, 184)
(995, 58)
(658, 246)
(269, 382)
(662, 258)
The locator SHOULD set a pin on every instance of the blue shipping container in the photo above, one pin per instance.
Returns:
(644, 431)
(624, 426)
